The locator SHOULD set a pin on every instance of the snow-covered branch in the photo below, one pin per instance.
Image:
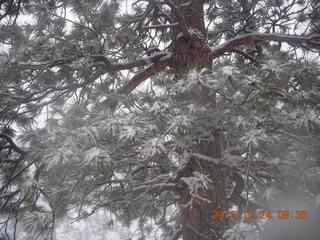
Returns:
(144, 74)
(207, 158)
(35, 65)
(97, 60)
(111, 102)
(160, 26)
(141, 61)
(155, 188)
(179, 17)
(231, 44)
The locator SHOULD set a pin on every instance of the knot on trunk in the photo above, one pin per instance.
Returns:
(190, 52)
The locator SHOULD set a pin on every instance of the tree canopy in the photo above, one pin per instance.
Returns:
(159, 112)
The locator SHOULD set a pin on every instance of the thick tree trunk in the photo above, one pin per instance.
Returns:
(196, 212)
(191, 51)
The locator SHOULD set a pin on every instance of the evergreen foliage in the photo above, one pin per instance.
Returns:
(77, 136)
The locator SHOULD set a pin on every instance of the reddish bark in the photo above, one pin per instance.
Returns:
(196, 212)
(191, 51)
(193, 15)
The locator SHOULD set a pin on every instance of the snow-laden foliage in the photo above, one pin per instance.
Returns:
(133, 149)
(75, 138)
(196, 182)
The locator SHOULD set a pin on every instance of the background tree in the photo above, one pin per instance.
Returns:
(229, 118)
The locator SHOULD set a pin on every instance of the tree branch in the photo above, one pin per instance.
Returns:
(107, 65)
(176, 234)
(136, 80)
(161, 26)
(179, 17)
(231, 44)
(238, 188)
(13, 145)
(38, 65)
(244, 54)
(144, 74)
(144, 15)
(140, 62)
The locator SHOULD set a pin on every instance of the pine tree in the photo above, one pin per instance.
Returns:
(168, 113)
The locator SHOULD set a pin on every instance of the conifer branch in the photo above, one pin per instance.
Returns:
(161, 26)
(13, 146)
(96, 59)
(246, 55)
(111, 102)
(231, 44)
(179, 17)
(144, 74)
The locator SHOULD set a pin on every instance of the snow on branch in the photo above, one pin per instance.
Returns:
(207, 158)
(161, 26)
(96, 61)
(144, 74)
(176, 12)
(111, 102)
(154, 188)
(140, 62)
(231, 44)
(32, 65)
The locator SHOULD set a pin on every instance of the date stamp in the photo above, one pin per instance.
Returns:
(260, 214)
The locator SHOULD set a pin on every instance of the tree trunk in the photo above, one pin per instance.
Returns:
(196, 212)
(191, 51)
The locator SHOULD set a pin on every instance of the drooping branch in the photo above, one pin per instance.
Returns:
(233, 43)
(156, 63)
(40, 95)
